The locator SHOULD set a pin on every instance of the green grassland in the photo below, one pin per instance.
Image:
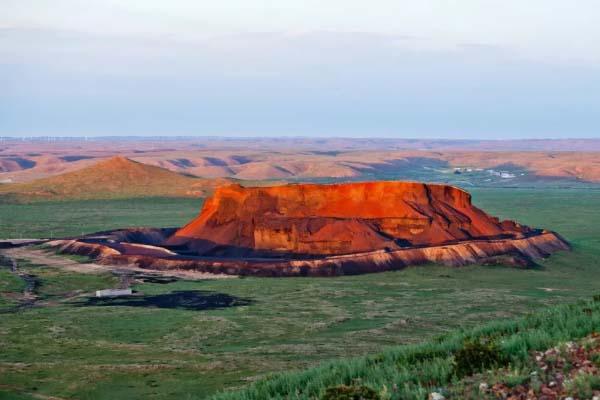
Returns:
(72, 218)
(69, 348)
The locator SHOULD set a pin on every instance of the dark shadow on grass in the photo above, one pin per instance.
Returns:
(161, 280)
(197, 300)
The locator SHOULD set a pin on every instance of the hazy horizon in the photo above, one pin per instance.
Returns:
(399, 69)
(308, 138)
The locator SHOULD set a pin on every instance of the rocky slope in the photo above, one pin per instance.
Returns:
(518, 252)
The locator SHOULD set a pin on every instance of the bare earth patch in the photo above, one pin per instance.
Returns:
(48, 258)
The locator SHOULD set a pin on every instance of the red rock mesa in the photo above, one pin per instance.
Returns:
(324, 230)
(319, 220)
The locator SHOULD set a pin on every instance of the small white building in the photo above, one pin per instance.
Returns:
(113, 292)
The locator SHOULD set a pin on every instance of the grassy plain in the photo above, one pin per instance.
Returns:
(71, 218)
(72, 349)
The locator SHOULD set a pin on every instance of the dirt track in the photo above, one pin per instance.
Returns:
(43, 257)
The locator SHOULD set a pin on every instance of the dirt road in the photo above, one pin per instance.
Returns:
(45, 257)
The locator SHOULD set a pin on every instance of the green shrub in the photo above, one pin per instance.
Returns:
(428, 354)
(516, 379)
(583, 386)
(476, 356)
(344, 392)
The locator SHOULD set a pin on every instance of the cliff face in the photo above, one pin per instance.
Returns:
(319, 220)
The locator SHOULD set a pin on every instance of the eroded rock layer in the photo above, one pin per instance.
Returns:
(318, 220)
(518, 252)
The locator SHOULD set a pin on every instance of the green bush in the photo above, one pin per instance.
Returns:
(476, 356)
(344, 392)
(516, 379)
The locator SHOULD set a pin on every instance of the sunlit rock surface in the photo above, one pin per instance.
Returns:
(324, 230)
(337, 219)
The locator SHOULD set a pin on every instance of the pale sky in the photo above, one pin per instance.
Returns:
(445, 69)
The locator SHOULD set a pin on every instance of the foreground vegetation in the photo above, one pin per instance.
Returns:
(412, 372)
(70, 348)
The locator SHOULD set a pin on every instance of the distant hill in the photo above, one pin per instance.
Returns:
(116, 177)
(497, 163)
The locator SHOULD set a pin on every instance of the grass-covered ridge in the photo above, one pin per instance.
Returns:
(414, 371)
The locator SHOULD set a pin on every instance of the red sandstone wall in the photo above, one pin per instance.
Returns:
(336, 219)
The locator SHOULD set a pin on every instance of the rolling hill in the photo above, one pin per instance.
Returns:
(464, 163)
(116, 177)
